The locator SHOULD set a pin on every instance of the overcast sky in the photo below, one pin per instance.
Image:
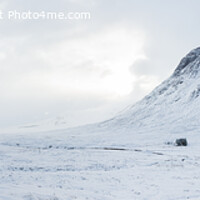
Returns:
(88, 70)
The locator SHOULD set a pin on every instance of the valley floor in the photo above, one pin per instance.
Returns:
(48, 168)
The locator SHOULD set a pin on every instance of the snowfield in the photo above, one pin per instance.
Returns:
(129, 157)
(56, 167)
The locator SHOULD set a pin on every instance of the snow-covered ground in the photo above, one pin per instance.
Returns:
(58, 166)
(124, 158)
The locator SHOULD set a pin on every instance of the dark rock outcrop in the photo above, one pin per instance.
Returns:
(181, 142)
(189, 63)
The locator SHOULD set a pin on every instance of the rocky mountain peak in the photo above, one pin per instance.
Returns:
(190, 64)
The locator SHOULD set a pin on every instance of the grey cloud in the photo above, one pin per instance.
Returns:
(171, 29)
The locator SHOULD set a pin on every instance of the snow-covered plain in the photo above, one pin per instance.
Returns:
(126, 157)
(59, 167)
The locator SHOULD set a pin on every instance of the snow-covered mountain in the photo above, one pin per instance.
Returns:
(173, 105)
(171, 108)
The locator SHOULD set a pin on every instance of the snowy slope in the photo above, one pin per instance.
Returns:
(173, 104)
(125, 157)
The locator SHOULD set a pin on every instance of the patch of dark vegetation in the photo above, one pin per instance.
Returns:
(158, 153)
(162, 90)
(114, 149)
(195, 93)
(138, 150)
(169, 143)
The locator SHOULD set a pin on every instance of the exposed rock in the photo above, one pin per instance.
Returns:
(188, 62)
(181, 142)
